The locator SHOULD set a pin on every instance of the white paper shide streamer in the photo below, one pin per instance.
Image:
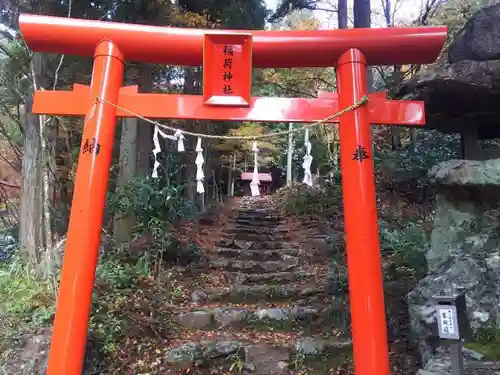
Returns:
(200, 176)
(307, 161)
(157, 148)
(179, 137)
(254, 185)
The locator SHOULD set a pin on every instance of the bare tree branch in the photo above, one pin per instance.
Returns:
(61, 60)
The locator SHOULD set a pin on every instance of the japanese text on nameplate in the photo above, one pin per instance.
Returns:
(447, 322)
(227, 69)
(227, 75)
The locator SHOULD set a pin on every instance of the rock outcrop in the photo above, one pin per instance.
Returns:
(462, 94)
(465, 249)
(478, 39)
(30, 355)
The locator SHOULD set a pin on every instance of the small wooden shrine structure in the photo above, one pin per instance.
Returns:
(265, 183)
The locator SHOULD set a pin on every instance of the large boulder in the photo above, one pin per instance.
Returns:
(30, 354)
(465, 249)
(463, 93)
(479, 39)
(459, 96)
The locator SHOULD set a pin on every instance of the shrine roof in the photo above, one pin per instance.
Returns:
(263, 177)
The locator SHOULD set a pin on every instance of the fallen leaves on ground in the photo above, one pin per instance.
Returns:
(147, 312)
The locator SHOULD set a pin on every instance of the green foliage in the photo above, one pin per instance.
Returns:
(431, 148)
(454, 14)
(26, 300)
(322, 202)
(237, 363)
(106, 323)
(288, 6)
(14, 72)
(151, 204)
(233, 14)
(298, 360)
(156, 209)
(19, 288)
(243, 149)
(322, 157)
(15, 84)
(486, 342)
(406, 248)
(120, 275)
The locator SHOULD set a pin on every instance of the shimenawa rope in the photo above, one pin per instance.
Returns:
(356, 105)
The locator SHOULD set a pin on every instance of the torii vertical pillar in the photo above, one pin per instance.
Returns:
(69, 334)
(369, 331)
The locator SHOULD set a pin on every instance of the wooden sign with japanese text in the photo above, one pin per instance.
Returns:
(227, 69)
(447, 322)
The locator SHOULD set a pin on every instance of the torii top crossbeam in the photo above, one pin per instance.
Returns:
(177, 46)
(271, 49)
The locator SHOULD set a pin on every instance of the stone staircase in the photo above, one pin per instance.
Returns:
(273, 310)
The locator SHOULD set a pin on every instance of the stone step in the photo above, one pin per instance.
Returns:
(257, 293)
(259, 254)
(257, 210)
(253, 237)
(258, 221)
(260, 357)
(249, 236)
(257, 229)
(251, 266)
(255, 245)
(238, 317)
(270, 278)
(252, 215)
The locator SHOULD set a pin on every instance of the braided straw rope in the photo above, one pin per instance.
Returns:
(356, 105)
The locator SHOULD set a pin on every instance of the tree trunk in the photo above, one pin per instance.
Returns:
(127, 162)
(144, 129)
(470, 146)
(362, 13)
(31, 206)
(189, 156)
(233, 169)
(398, 78)
(229, 182)
(289, 156)
(362, 19)
(395, 133)
(342, 18)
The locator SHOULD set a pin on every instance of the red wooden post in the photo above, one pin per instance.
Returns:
(360, 221)
(69, 335)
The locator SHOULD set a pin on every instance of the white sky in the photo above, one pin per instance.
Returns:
(407, 11)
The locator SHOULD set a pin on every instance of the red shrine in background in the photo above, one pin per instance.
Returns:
(227, 58)
(265, 183)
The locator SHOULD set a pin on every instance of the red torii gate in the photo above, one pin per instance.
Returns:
(227, 57)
